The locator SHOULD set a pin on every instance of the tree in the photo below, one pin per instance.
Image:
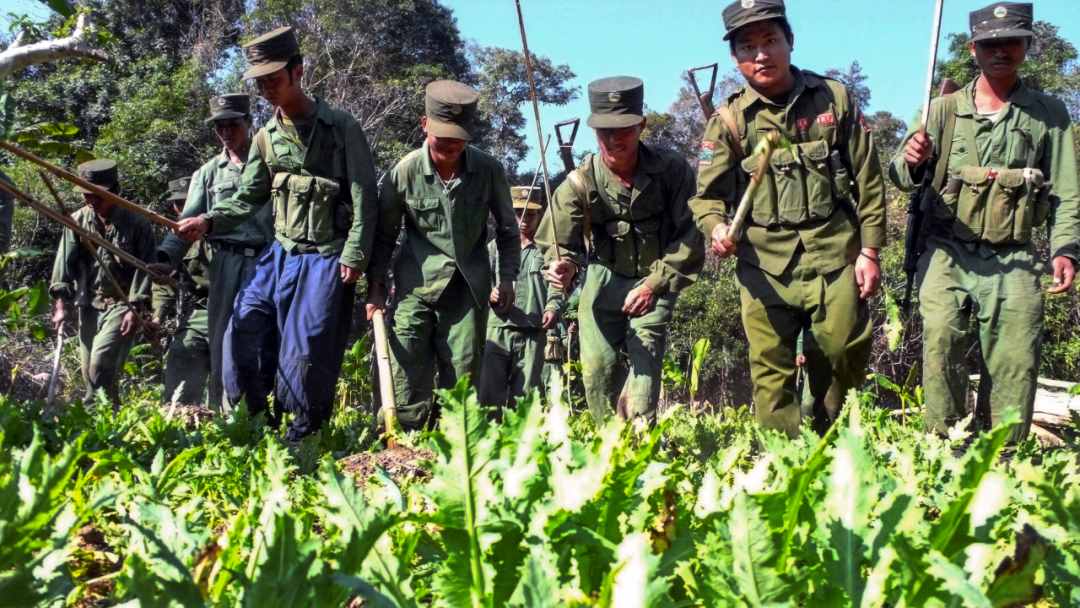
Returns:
(889, 131)
(1051, 64)
(499, 75)
(21, 54)
(855, 81)
(683, 125)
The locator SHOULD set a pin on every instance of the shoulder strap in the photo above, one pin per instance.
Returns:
(266, 151)
(941, 169)
(727, 118)
(577, 182)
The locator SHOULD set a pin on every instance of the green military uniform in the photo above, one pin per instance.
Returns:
(513, 361)
(442, 276)
(187, 363)
(77, 276)
(821, 200)
(1000, 177)
(234, 251)
(639, 235)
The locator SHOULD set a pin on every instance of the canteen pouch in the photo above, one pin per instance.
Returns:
(798, 187)
(304, 207)
(999, 206)
(553, 350)
(635, 245)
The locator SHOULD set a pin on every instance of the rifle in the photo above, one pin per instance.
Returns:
(566, 145)
(922, 198)
(54, 375)
(704, 98)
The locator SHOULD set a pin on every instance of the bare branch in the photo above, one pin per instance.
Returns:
(78, 44)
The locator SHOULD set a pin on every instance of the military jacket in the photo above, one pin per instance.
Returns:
(532, 298)
(645, 231)
(193, 283)
(1033, 131)
(78, 276)
(213, 183)
(823, 194)
(446, 226)
(322, 189)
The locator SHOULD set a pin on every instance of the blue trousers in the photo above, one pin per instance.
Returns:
(288, 332)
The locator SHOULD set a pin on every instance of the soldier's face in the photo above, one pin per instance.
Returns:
(281, 86)
(444, 150)
(619, 146)
(100, 206)
(1000, 58)
(763, 55)
(528, 220)
(232, 133)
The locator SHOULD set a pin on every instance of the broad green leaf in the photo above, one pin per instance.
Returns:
(954, 580)
(753, 554)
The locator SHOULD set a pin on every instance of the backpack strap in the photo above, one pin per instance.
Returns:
(941, 169)
(727, 118)
(266, 151)
(577, 181)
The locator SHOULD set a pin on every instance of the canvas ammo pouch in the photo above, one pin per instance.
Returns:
(997, 206)
(553, 349)
(799, 187)
(634, 245)
(306, 208)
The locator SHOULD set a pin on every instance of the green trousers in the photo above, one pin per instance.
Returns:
(513, 364)
(103, 349)
(441, 338)
(187, 364)
(1000, 289)
(630, 389)
(775, 310)
(229, 271)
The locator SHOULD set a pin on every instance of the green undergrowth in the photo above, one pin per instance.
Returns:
(540, 509)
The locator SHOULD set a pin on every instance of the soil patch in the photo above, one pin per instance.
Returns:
(400, 463)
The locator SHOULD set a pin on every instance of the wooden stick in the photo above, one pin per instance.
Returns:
(765, 150)
(386, 380)
(70, 224)
(94, 188)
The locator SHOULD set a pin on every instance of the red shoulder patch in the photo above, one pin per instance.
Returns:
(826, 119)
(803, 125)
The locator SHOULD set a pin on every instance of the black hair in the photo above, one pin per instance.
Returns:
(295, 60)
(785, 27)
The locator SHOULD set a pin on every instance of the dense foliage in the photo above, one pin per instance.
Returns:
(541, 509)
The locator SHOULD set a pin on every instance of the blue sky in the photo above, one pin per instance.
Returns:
(657, 40)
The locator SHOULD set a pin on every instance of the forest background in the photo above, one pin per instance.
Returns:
(145, 106)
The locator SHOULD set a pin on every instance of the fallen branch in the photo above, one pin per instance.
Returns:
(79, 44)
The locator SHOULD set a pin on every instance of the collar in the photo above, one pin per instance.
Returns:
(1021, 95)
(803, 81)
(466, 159)
(323, 114)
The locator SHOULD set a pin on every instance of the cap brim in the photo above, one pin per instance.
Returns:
(225, 115)
(439, 128)
(614, 121)
(1002, 34)
(752, 21)
(263, 69)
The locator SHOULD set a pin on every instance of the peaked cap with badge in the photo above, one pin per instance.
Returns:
(744, 12)
(231, 105)
(270, 52)
(1002, 20)
(178, 189)
(526, 197)
(100, 172)
(450, 107)
(616, 102)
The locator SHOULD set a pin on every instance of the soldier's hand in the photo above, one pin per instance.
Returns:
(549, 319)
(561, 274)
(376, 298)
(193, 228)
(721, 244)
(59, 314)
(1064, 274)
(128, 323)
(868, 273)
(349, 275)
(493, 297)
(918, 149)
(639, 301)
(504, 299)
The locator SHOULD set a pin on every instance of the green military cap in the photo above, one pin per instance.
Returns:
(450, 107)
(100, 172)
(744, 12)
(616, 102)
(526, 197)
(1002, 20)
(178, 188)
(270, 52)
(233, 105)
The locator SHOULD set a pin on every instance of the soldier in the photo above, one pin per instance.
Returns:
(1001, 156)
(111, 297)
(623, 214)
(313, 164)
(513, 361)
(236, 251)
(808, 259)
(187, 363)
(444, 192)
